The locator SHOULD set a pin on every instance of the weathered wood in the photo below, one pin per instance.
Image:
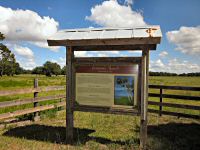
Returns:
(175, 114)
(104, 60)
(106, 42)
(144, 99)
(183, 97)
(115, 47)
(107, 110)
(174, 105)
(175, 87)
(35, 104)
(139, 87)
(160, 107)
(69, 111)
(30, 90)
(29, 100)
(30, 110)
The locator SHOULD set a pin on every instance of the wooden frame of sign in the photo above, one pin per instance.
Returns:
(108, 39)
(142, 90)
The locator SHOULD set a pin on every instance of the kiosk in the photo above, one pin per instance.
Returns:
(117, 85)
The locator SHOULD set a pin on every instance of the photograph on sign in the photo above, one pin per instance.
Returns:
(106, 85)
(124, 90)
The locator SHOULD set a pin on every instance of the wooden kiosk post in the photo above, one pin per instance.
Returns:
(108, 39)
(69, 95)
(144, 98)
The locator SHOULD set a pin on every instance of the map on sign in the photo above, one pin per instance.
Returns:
(106, 85)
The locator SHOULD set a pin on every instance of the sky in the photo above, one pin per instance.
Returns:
(28, 24)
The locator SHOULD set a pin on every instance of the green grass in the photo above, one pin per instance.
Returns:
(100, 131)
(26, 81)
(177, 81)
(103, 131)
(123, 101)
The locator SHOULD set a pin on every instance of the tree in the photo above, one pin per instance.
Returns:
(63, 71)
(7, 59)
(51, 68)
(124, 82)
(38, 70)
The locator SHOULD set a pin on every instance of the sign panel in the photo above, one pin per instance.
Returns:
(106, 85)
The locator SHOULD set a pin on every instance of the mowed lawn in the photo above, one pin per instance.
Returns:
(100, 131)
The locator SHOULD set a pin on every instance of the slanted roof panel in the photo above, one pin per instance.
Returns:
(107, 36)
(126, 33)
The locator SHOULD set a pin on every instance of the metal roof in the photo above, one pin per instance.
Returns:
(105, 33)
(73, 37)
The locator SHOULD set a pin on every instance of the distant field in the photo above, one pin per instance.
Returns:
(101, 131)
(25, 81)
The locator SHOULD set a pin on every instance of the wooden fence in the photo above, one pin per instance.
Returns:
(36, 108)
(162, 104)
(35, 100)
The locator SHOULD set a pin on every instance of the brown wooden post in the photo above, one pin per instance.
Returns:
(69, 98)
(160, 107)
(144, 98)
(36, 114)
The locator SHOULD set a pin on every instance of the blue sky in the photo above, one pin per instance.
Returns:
(178, 52)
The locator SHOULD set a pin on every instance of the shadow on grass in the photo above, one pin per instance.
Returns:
(174, 136)
(56, 134)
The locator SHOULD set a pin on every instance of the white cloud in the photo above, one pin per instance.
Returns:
(96, 53)
(26, 25)
(25, 57)
(163, 54)
(186, 39)
(24, 51)
(174, 66)
(81, 54)
(112, 14)
(128, 2)
(44, 44)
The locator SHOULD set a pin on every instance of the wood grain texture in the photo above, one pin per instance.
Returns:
(30, 90)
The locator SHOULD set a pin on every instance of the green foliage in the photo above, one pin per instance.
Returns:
(49, 69)
(63, 71)
(8, 64)
(38, 70)
(194, 74)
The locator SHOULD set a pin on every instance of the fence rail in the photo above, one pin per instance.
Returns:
(35, 100)
(36, 108)
(162, 104)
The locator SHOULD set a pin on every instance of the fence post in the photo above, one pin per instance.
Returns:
(36, 114)
(160, 107)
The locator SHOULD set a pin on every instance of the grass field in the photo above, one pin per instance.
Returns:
(100, 131)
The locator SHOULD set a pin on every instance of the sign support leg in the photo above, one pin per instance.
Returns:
(69, 97)
(144, 99)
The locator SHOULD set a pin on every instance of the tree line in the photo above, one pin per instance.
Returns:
(9, 66)
(197, 74)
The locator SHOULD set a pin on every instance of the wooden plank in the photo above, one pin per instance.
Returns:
(104, 60)
(115, 47)
(183, 97)
(175, 114)
(175, 87)
(174, 105)
(35, 104)
(139, 86)
(144, 99)
(30, 110)
(103, 42)
(69, 111)
(30, 100)
(161, 99)
(107, 110)
(30, 90)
